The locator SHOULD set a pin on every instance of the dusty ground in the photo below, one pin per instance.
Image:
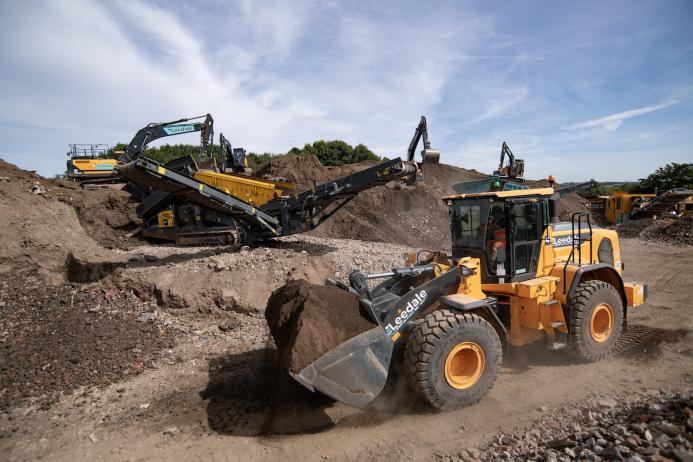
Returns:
(113, 348)
(211, 395)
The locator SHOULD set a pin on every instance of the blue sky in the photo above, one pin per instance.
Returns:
(580, 90)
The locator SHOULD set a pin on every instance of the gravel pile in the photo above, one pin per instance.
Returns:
(638, 427)
(670, 231)
(678, 232)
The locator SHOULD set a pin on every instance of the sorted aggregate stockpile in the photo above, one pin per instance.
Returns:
(308, 320)
(414, 216)
(670, 231)
(57, 338)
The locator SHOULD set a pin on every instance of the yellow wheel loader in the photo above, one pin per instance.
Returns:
(516, 276)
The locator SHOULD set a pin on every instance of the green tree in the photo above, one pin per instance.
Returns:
(336, 152)
(669, 177)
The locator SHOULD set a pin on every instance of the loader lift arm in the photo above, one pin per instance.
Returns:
(429, 156)
(158, 130)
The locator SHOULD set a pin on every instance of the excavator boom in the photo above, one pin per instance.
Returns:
(428, 155)
(158, 130)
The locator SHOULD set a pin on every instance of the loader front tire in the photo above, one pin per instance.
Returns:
(453, 359)
(596, 319)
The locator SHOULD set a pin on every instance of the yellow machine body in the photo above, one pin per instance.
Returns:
(251, 190)
(91, 168)
(536, 305)
(618, 207)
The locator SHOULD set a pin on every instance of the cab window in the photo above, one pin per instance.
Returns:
(467, 228)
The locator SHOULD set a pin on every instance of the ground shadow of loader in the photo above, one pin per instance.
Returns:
(247, 396)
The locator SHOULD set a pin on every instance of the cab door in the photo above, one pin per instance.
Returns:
(524, 242)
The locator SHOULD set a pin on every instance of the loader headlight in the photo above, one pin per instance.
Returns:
(464, 271)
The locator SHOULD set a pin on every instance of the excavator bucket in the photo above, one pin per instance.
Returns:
(354, 372)
(430, 156)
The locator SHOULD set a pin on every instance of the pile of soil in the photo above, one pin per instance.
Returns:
(570, 204)
(410, 216)
(677, 231)
(670, 231)
(633, 228)
(308, 320)
(57, 338)
(38, 230)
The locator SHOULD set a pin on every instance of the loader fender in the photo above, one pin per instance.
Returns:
(407, 307)
(601, 272)
(485, 308)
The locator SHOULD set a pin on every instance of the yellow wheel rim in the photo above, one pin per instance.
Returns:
(464, 365)
(601, 322)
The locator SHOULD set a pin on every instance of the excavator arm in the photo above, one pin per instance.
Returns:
(158, 130)
(428, 155)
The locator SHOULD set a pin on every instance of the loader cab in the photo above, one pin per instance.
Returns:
(503, 229)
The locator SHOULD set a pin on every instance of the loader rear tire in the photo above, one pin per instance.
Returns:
(453, 359)
(596, 319)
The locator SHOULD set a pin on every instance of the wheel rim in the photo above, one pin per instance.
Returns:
(464, 365)
(601, 322)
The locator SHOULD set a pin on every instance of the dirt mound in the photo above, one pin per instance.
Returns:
(308, 320)
(57, 338)
(38, 229)
(633, 228)
(410, 216)
(674, 231)
(303, 171)
(570, 204)
(107, 215)
(678, 232)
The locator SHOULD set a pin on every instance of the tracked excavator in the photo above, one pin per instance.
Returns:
(184, 203)
(515, 276)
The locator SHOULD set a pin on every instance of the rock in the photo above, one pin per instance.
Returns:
(670, 428)
(37, 189)
(92, 437)
(570, 453)
(680, 455)
(120, 389)
(171, 431)
(607, 403)
(543, 408)
(147, 316)
(228, 325)
(610, 453)
(508, 441)
(144, 406)
(559, 443)
(648, 435)
(151, 258)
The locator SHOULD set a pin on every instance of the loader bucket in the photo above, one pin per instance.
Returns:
(430, 156)
(354, 372)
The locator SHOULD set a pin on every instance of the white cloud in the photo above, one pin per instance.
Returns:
(613, 122)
